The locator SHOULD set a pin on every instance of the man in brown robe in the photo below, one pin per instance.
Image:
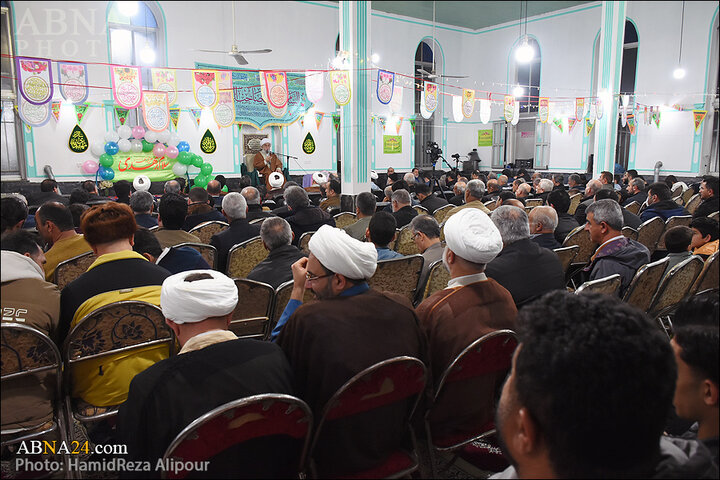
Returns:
(471, 306)
(266, 162)
(349, 329)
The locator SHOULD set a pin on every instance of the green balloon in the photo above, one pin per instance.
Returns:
(201, 181)
(185, 158)
(147, 146)
(106, 160)
(206, 169)
(197, 161)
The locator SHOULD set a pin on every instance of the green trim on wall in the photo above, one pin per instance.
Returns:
(584, 151)
(619, 47)
(696, 160)
(238, 157)
(346, 118)
(362, 78)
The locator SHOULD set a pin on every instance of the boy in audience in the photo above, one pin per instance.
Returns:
(677, 243)
(381, 231)
(14, 213)
(705, 236)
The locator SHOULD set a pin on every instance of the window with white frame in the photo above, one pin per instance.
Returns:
(527, 77)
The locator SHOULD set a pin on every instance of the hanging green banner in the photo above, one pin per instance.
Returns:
(392, 143)
(129, 165)
(485, 138)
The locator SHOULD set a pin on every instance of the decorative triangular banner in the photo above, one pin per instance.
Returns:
(412, 125)
(80, 110)
(698, 117)
(383, 121)
(656, 117)
(196, 113)
(632, 126)
(398, 125)
(571, 124)
(558, 123)
(588, 127)
(55, 109)
(336, 121)
(318, 119)
(175, 116)
(122, 114)
(302, 121)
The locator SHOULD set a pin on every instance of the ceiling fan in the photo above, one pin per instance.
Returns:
(234, 51)
(433, 75)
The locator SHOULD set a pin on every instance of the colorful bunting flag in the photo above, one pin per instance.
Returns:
(698, 117)
(509, 108)
(80, 110)
(174, 116)
(204, 84)
(383, 121)
(122, 114)
(632, 126)
(431, 96)
(468, 102)
(336, 121)
(73, 81)
(412, 125)
(571, 124)
(164, 80)
(340, 86)
(318, 119)
(398, 125)
(588, 126)
(314, 85)
(35, 80)
(196, 113)
(385, 86)
(543, 109)
(155, 111)
(558, 123)
(656, 117)
(127, 86)
(276, 87)
(55, 109)
(579, 109)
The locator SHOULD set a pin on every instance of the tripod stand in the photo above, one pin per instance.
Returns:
(434, 181)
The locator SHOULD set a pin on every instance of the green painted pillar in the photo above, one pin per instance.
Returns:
(612, 34)
(355, 134)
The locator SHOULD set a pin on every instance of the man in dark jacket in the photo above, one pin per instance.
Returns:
(629, 219)
(235, 210)
(402, 207)
(592, 187)
(661, 204)
(199, 209)
(709, 195)
(427, 199)
(523, 267)
(255, 210)
(173, 259)
(636, 192)
(304, 217)
(616, 253)
(275, 270)
(459, 191)
(543, 221)
(48, 193)
(560, 201)
(142, 206)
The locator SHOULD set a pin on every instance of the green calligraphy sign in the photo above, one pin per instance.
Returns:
(392, 143)
(485, 138)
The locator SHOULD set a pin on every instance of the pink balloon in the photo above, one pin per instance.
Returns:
(171, 152)
(90, 166)
(159, 150)
(138, 132)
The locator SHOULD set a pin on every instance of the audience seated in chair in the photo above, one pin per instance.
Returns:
(474, 192)
(635, 192)
(321, 338)
(14, 213)
(545, 186)
(172, 259)
(142, 206)
(677, 242)
(118, 274)
(695, 343)
(472, 305)
(173, 210)
(54, 222)
(427, 199)
(543, 221)
(365, 205)
(199, 209)
(524, 268)
(332, 191)
(592, 187)
(255, 210)
(629, 219)
(91, 187)
(705, 236)
(459, 194)
(212, 368)
(402, 210)
(661, 204)
(560, 201)
(616, 253)
(304, 217)
(234, 208)
(380, 232)
(709, 195)
(426, 235)
(276, 269)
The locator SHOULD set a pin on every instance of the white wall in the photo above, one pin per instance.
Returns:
(77, 31)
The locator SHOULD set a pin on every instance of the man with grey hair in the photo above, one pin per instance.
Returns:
(543, 221)
(142, 206)
(304, 216)
(234, 207)
(616, 253)
(593, 186)
(365, 205)
(543, 189)
(523, 190)
(636, 192)
(426, 235)
(459, 191)
(172, 186)
(252, 198)
(558, 180)
(474, 192)
(402, 207)
(275, 270)
(523, 267)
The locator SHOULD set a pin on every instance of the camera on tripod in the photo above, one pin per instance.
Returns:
(434, 151)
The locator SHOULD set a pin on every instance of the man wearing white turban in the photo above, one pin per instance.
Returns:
(213, 367)
(266, 162)
(348, 329)
(471, 306)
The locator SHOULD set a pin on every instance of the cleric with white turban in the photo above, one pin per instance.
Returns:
(472, 236)
(185, 299)
(340, 253)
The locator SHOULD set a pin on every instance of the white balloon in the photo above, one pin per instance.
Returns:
(174, 139)
(124, 131)
(112, 136)
(164, 136)
(136, 145)
(150, 136)
(124, 145)
(97, 148)
(141, 183)
(179, 169)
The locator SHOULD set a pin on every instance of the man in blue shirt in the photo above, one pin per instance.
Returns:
(381, 231)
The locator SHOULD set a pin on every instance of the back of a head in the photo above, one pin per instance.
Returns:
(48, 185)
(515, 202)
(22, 242)
(523, 189)
(56, 213)
(89, 186)
(711, 183)
(79, 195)
(493, 185)
(146, 242)
(108, 223)
(221, 180)
(492, 176)
(122, 188)
(234, 206)
(460, 187)
(559, 200)
(76, 210)
(575, 179)
(214, 188)
(606, 193)
(296, 197)
(546, 184)
(422, 189)
(251, 194)
(547, 216)
(558, 178)
(506, 196)
(182, 182)
(409, 178)
(141, 202)
(607, 177)
(425, 224)
(518, 181)
(608, 211)
(275, 232)
(382, 228)
(661, 190)
(678, 239)
(198, 195)
(503, 179)
(670, 180)
(172, 210)
(12, 211)
(366, 203)
(400, 185)
(334, 186)
(512, 222)
(593, 186)
(388, 191)
(633, 372)
(172, 186)
(706, 226)
(475, 188)
(632, 173)
(401, 197)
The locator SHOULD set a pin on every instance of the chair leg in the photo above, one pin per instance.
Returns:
(431, 450)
